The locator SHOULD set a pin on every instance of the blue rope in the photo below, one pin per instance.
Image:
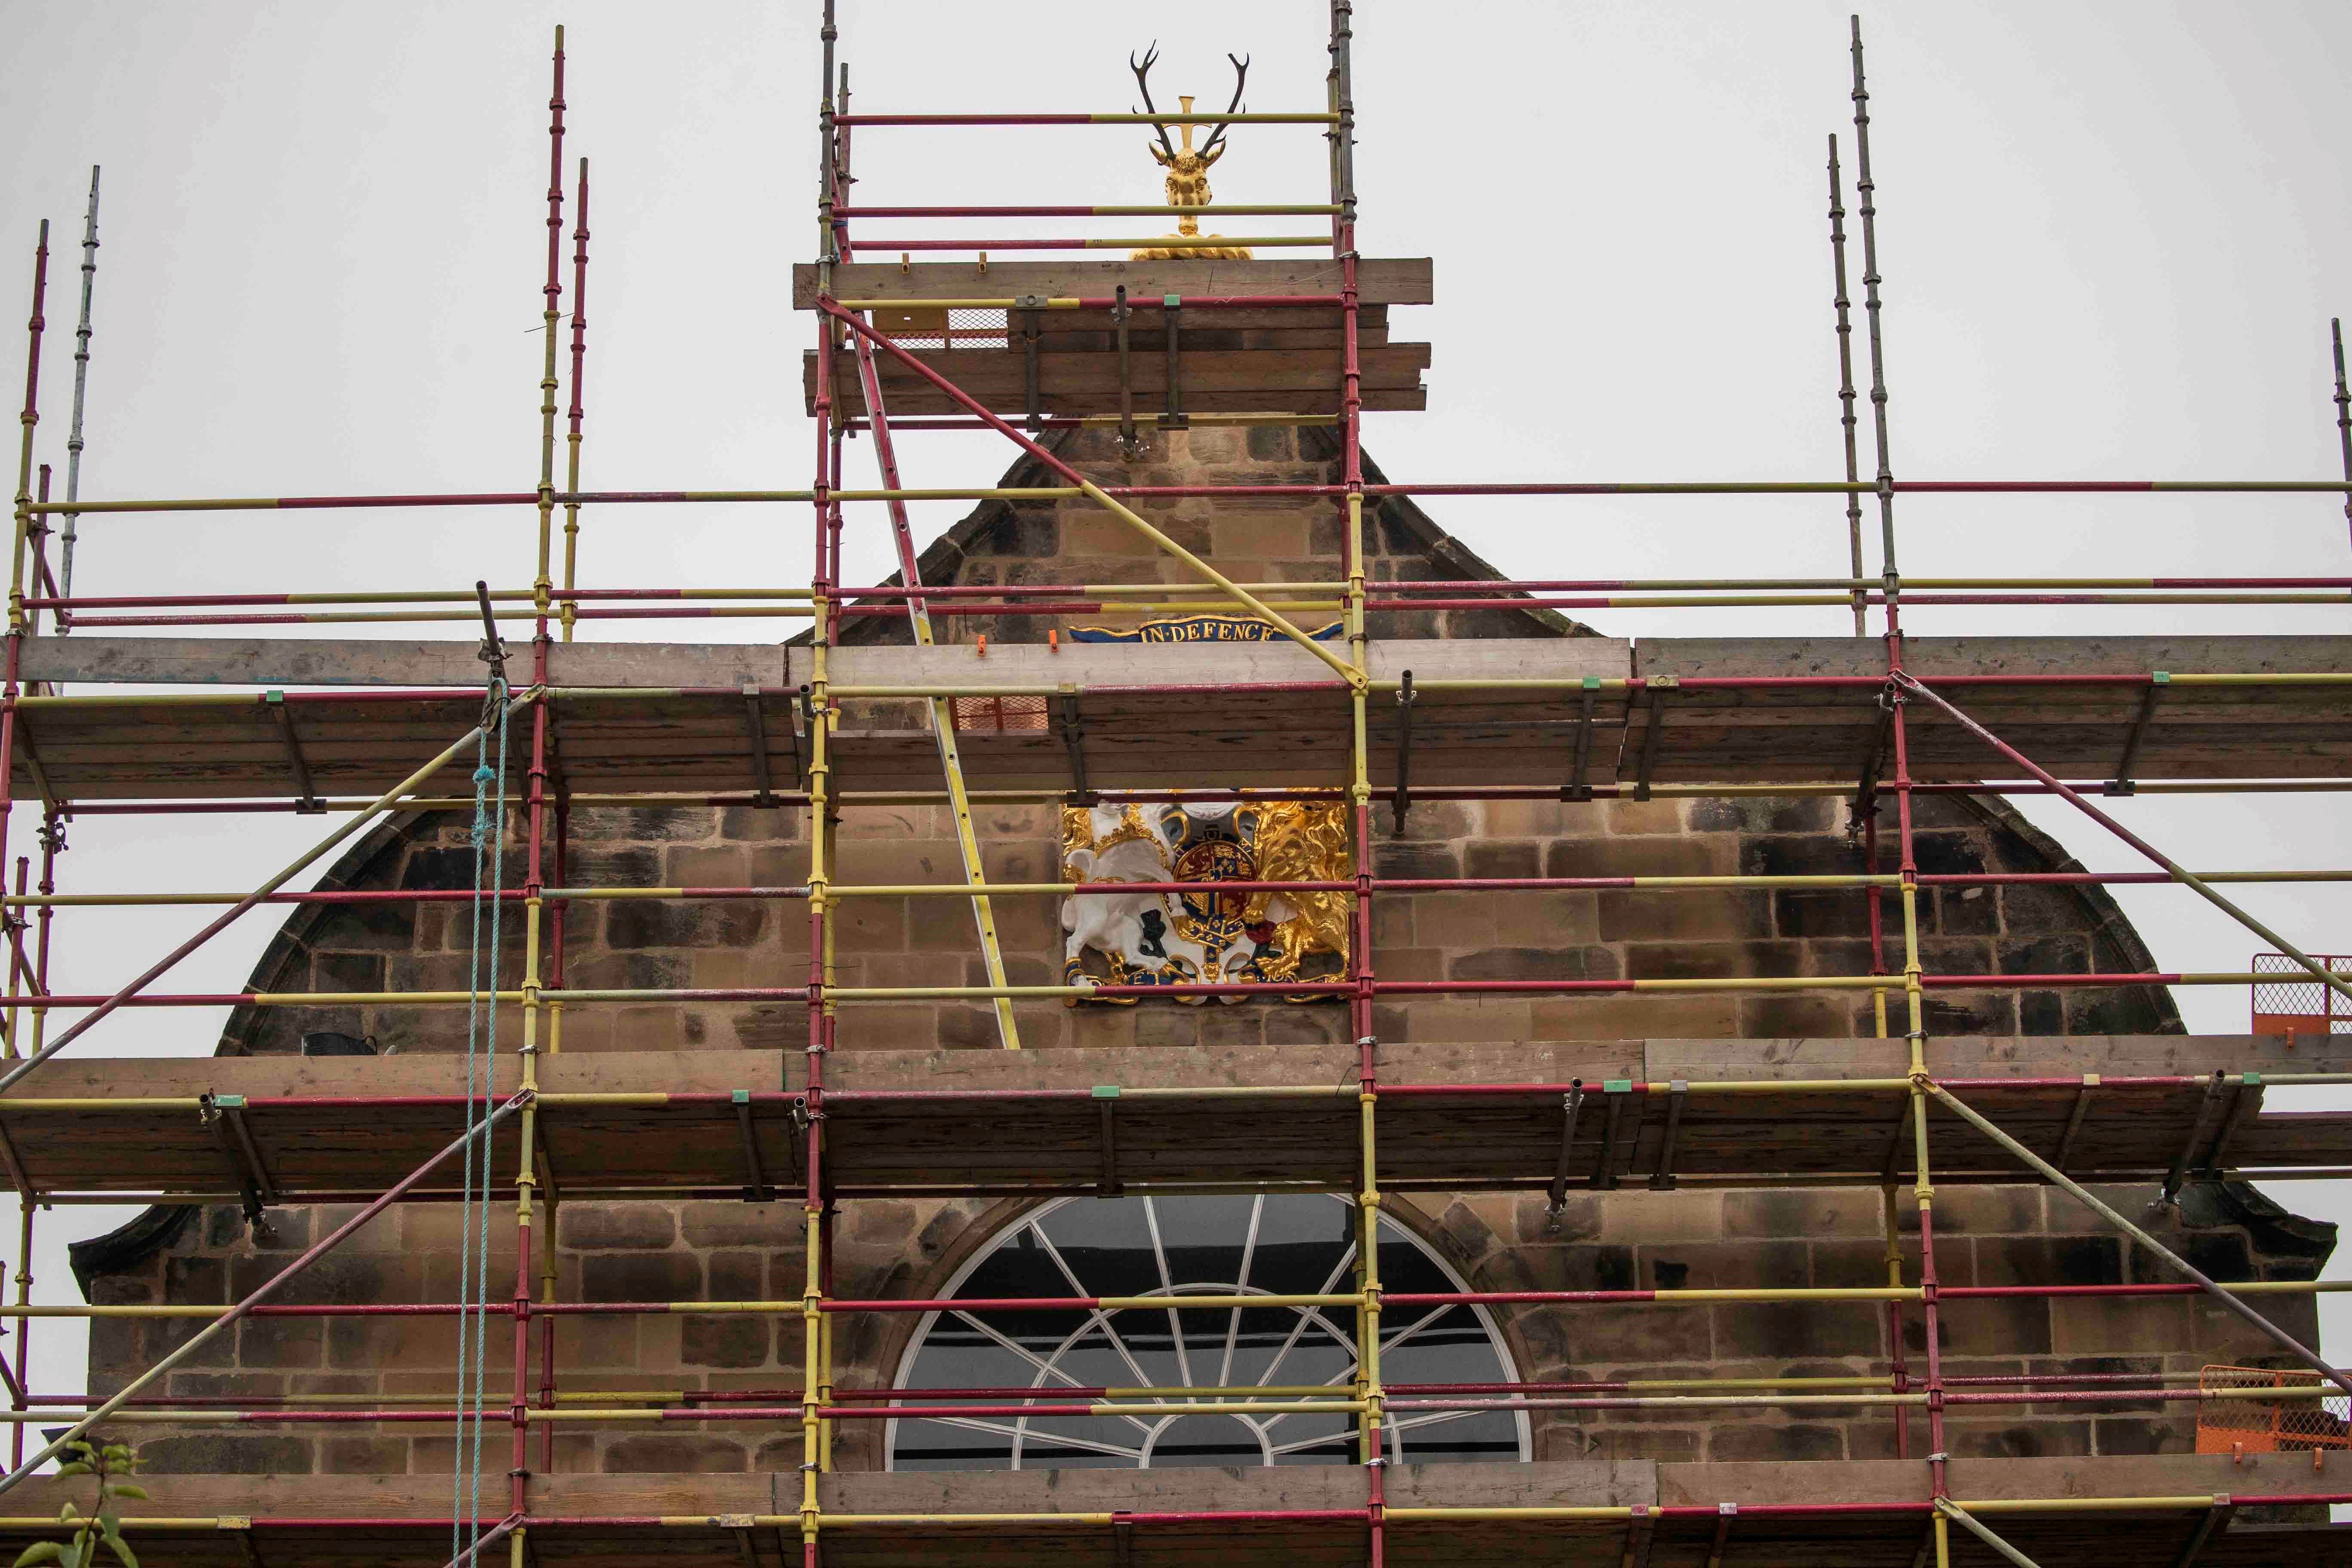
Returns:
(481, 1084)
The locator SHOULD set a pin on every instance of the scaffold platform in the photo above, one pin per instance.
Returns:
(680, 718)
(1852, 1514)
(1493, 1117)
(1228, 359)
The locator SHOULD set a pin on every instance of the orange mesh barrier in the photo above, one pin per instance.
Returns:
(2296, 1002)
(2294, 1424)
(995, 713)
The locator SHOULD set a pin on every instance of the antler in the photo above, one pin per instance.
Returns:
(1142, 73)
(1216, 143)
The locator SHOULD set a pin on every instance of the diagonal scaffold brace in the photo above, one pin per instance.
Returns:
(1946, 1508)
(267, 1288)
(1911, 685)
(2181, 1265)
(509, 1526)
(382, 803)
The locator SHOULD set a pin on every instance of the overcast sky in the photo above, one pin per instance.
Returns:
(2112, 235)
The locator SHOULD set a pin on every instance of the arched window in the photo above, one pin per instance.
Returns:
(1281, 1244)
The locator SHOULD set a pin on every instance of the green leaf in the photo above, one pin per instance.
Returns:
(73, 1468)
(85, 1547)
(68, 1514)
(124, 1488)
(39, 1551)
(123, 1552)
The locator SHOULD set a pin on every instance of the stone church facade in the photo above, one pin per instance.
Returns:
(1629, 1238)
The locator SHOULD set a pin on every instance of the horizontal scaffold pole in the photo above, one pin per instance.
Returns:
(2288, 679)
(1117, 890)
(1499, 594)
(855, 799)
(2194, 1502)
(855, 993)
(1129, 118)
(1594, 487)
(1165, 241)
(129, 996)
(1219, 209)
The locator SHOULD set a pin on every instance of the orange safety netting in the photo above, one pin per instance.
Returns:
(2298, 1421)
(2297, 1002)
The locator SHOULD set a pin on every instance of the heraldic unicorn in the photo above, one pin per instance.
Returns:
(1165, 939)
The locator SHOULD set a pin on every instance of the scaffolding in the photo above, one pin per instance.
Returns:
(1913, 706)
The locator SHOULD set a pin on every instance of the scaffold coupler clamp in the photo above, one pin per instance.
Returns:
(493, 652)
(1556, 1197)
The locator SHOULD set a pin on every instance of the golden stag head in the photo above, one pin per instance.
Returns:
(1187, 182)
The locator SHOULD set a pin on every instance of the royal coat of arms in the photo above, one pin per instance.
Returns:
(1169, 938)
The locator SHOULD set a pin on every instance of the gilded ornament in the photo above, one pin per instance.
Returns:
(1187, 182)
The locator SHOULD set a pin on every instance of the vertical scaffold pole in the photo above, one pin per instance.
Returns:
(1898, 1372)
(527, 1132)
(19, 966)
(840, 233)
(825, 1222)
(1874, 901)
(31, 417)
(1866, 189)
(52, 835)
(831, 544)
(1374, 1440)
(2343, 412)
(1844, 306)
(535, 818)
(17, 624)
(571, 612)
(25, 1203)
(38, 537)
(554, 1044)
(542, 584)
(1923, 1187)
(1867, 805)
(82, 388)
(819, 717)
(1907, 862)
(52, 839)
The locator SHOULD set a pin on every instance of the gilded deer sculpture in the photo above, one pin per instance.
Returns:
(1187, 171)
